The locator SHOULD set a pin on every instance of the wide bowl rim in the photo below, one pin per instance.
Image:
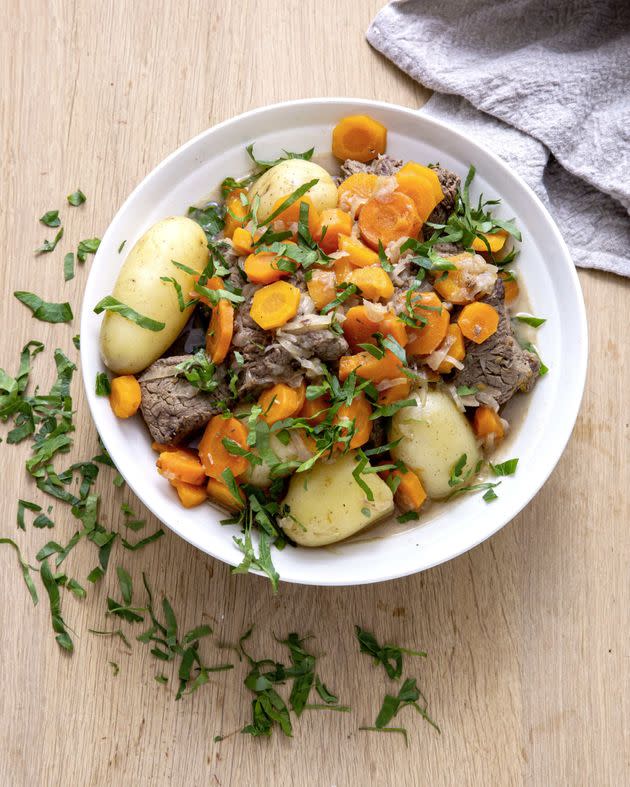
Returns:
(571, 405)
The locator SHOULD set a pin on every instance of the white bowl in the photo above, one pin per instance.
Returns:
(549, 412)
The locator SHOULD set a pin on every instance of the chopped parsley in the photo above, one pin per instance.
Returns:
(48, 246)
(529, 319)
(102, 386)
(68, 266)
(76, 198)
(88, 246)
(46, 312)
(111, 304)
(51, 218)
(199, 371)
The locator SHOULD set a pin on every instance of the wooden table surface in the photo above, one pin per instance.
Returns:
(527, 635)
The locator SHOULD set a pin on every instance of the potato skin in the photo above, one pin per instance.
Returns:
(329, 505)
(285, 178)
(433, 437)
(126, 348)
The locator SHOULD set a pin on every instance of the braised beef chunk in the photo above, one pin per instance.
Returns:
(265, 367)
(381, 165)
(499, 365)
(450, 183)
(171, 406)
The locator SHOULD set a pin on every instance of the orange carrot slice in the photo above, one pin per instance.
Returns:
(125, 396)
(388, 218)
(423, 341)
(281, 401)
(358, 137)
(220, 331)
(214, 456)
(478, 321)
(274, 305)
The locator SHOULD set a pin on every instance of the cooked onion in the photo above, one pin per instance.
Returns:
(483, 397)
(374, 311)
(306, 324)
(385, 185)
(384, 385)
(440, 353)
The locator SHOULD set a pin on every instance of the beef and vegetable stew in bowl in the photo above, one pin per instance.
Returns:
(333, 353)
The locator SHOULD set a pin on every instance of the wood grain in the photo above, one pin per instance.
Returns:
(528, 670)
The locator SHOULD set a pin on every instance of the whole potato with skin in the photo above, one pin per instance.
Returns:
(433, 436)
(283, 179)
(126, 348)
(325, 504)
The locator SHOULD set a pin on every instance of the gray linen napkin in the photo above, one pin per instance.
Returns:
(545, 85)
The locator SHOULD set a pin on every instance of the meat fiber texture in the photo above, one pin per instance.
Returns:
(499, 366)
(544, 84)
(172, 407)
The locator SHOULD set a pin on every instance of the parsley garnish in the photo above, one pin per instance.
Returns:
(48, 246)
(25, 569)
(46, 312)
(68, 266)
(505, 468)
(209, 218)
(76, 198)
(529, 319)
(199, 371)
(102, 386)
(109, 303)
(88, 246)
(51, 218)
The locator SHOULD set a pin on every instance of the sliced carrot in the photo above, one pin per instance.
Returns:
(409, 494)
(315, 409)
(496, 241)
(486, 422)
(394, 394)
(262, 268)
(359, 410)
(431, 175)
(189, 494)
(417, 188)
(358, 328)
(291, 215)
(343, 269)
(274, 305)
(214, 456)
(219, 493)
(389, 367)
(510, 286)
(358, 253)
(358, 137)
(388, 218)
(456, 350)
(321, 287)
(392, 326)
(452, 287)
(220, 331)
(235, 212)
(478, 321)
(161, 447)
(337, 224)
(281, 401)
(125, 396)
(374, 283)
(423, 341)
(181, 465)
(361, 185)
(242, 241)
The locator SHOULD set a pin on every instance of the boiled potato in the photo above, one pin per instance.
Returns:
(433, 437)
(326, 504)
(294, 451)
(283, 179)
(126, 348)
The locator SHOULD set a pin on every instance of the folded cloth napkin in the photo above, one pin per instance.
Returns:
(544, 84)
